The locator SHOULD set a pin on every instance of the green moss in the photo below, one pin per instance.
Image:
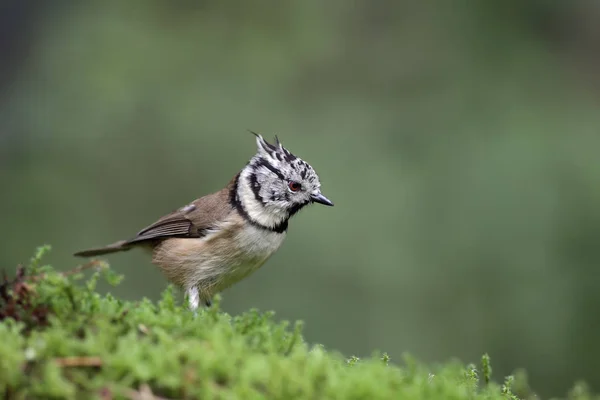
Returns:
(80, 344)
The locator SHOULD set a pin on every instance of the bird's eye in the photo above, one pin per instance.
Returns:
(294, 186)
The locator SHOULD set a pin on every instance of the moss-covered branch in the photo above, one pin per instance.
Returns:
(59, 338)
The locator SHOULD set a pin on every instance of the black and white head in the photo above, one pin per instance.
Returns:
(275, 185)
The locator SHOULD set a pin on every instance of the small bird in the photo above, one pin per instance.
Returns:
(219, 239)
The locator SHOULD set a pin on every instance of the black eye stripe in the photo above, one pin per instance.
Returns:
(264, 163)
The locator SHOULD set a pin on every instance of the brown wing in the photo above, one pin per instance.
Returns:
(176, 226)
(191, 221)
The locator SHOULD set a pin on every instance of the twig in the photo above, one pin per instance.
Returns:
(79, 361)
(76, 270)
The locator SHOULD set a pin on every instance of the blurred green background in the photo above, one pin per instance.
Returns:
(459, 141)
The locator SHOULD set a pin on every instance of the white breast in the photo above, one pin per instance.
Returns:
(229, 257)
(253, 247)
(258, 243)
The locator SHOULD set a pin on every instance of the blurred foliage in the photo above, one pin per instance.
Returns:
(102, 347)
(458, 140)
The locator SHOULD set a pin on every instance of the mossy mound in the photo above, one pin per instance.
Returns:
(60, 339)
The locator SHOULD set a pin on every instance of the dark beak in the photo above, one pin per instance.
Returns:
(319, 198)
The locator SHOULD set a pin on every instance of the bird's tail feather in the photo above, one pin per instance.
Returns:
(122, 245)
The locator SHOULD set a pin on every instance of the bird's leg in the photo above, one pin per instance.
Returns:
(193, 298)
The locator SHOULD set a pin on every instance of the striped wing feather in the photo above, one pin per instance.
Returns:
(175, 226)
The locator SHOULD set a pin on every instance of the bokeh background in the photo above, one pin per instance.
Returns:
(459, 140)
